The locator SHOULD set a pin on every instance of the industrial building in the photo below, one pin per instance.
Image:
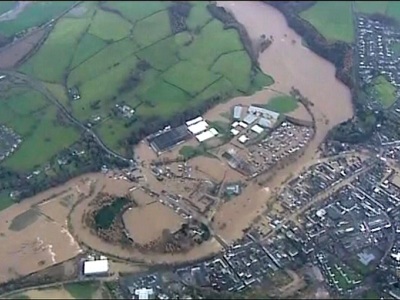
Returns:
(194, 121)
(237, 112)
(96, 267)
(198, 127)
(250, 118)
(212, 132)
(169, 138)
(257, 129)
(143, 293)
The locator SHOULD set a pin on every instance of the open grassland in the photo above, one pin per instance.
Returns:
(34, 14)
(5, 200)
(109, 26)
(126, 52)
(35, 120)
(56, 52)
(370, 7)
(384, 91)
(135, 11)
(282, 104)
(332, 19)
(82, 290)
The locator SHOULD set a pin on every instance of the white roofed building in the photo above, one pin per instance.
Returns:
(198, 127)
(194, 121)
(250, 118)
(243, 139)
(234, 131)
(237, 112)
(95, 267)
(143, 293)
(257, 129)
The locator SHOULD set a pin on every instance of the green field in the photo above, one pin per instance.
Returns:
(109, 26)
(384, 91)
(35, 120)
(282, 104)
(332, 19)
(35, 14)
(370, 7)
(5, 200)
(82, 290)
(128, 54)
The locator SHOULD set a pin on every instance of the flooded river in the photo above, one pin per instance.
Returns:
(291, 64)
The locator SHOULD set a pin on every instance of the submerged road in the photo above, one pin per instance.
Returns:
(37, 85)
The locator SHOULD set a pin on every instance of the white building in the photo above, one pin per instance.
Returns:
(198, 127)
(95, 267)
(194, 121)
(243, 139)
(143, 293)
(257, 129)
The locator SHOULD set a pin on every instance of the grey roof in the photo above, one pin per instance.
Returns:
(265, 112)
(250, 118)
(237, 112)
(263, 122)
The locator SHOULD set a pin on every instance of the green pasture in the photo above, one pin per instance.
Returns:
(333, 19)
(384, 90)
(152, 29)
(100, 63)
(88, 46)
(137, 10)
(371, 7)
(82, 290)
(235, 66)
(5, 200)
(163, 55)
(190, 77)
(393, 9)
(282, 104)
(210, 44)
(198, 16)
(52, 61)
(109, 26)
(35, 14)
(36, 121)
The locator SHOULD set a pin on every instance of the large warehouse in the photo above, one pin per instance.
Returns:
(168, 139)
(95, 267)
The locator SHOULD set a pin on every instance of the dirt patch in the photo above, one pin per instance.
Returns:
(14, 53)
(142, 231)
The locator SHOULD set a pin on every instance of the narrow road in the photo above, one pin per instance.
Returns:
(36, 84)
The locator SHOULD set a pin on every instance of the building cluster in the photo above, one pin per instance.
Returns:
(378, 51)
(9, 142)
(318, 178)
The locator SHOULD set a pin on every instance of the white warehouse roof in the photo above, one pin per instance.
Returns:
(243, 139)
(194, 121)
(234, 124)
(242, 124)
(95, 266)
(204, 136)
(250, 118)
(214, 131)
(234, 131)
(198, 127)
(257, 129)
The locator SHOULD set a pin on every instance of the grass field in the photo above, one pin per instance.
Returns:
(33, 118)
(393, 9)
(129, 54)
(384, 90)
(84, 290)
(109, 26)
(282, 104)
(396, 49)
(370, 7)
(332, 19)
(35, 14)
(57, 51)
(5, 200)
(135, 11)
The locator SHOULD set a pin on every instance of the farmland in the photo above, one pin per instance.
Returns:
(131, 53)
(33, 14)
(31, 116)
(282, 104)
(333, 19)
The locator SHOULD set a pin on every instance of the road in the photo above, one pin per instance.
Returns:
(37, 85)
